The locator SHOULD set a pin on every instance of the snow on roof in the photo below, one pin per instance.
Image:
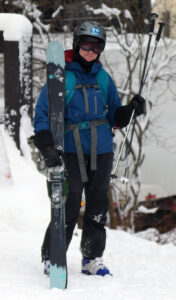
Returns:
(14, 26)
(153, 190)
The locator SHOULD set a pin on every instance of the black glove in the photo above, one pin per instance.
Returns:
(123, 113)
(139, 104)
(43, 140)
(52, 156)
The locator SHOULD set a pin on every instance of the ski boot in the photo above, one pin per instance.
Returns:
(94, 267)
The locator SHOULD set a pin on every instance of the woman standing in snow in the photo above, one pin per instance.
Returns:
(90, 113)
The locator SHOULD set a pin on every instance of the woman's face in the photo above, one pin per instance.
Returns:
(88, 55)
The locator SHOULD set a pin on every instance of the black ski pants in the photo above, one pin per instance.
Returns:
(96, 205)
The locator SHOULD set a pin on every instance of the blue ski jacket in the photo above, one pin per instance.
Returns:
(75, 111)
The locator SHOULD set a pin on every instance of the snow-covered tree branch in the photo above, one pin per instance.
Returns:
(126, 70)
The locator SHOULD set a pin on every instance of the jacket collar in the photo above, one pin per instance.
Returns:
(75, 66)
(69, 55)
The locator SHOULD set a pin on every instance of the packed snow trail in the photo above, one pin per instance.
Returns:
(141, 269)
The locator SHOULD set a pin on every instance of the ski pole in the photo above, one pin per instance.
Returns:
(158, 36)
(151, 30)
(145, 73)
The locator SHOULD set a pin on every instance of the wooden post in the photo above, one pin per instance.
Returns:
(17, 82)
(12, 90)
(1, 42)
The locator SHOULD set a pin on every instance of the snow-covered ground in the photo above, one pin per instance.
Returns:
(141, 269)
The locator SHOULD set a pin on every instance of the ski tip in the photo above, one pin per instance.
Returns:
(55, 54)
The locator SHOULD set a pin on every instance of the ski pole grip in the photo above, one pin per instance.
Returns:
(152, 25)
(158, 36)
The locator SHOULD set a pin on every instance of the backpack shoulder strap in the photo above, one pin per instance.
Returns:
(70, 83)
(102, 81)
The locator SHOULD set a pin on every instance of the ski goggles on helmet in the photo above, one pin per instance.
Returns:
(92, 44)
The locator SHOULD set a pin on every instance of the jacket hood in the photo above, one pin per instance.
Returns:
(69, 55)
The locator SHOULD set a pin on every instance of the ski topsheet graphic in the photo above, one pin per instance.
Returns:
(56, 97)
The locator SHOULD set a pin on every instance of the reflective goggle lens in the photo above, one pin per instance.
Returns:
(97, 48)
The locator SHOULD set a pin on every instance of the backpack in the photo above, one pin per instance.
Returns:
(102, 82)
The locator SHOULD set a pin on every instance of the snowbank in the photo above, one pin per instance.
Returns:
(141, 269)
(5, 173)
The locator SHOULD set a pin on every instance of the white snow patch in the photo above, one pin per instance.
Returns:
(128, 14)
(60, 7)
(26, 131)
(145, 210)
(5, 173)
(106, 10)
(15, 26)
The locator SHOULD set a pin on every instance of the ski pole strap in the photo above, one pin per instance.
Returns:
(83, 126)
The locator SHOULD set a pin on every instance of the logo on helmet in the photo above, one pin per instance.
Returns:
(95, 31)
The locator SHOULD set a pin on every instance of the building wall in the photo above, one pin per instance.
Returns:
(167, 13)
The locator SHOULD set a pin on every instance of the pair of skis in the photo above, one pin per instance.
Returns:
(56, 97)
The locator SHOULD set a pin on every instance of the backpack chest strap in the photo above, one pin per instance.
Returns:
(82, 126)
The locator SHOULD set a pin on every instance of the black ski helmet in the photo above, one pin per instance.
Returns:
(88, 28)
